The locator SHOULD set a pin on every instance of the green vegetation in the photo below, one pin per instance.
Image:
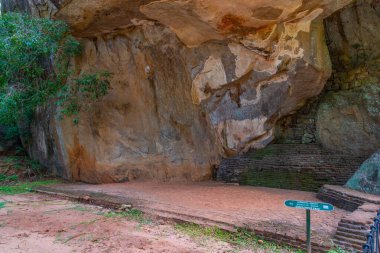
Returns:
(337, 250)
(242, 238)
(20, 168)
(24, 187)
(80, 208)
(2, 205)
(35, 70)
(260, 154)
(5, 178)
(283, 180)
(22, 162)
(133, 214)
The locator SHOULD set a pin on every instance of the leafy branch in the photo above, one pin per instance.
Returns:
(35, 70)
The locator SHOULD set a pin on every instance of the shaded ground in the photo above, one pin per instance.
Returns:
(38, 223)
(228, 206)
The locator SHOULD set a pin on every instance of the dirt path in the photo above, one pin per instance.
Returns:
(257, 208)
(38, 223)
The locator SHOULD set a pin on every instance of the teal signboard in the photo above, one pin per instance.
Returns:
(315, 206)
(309, 206)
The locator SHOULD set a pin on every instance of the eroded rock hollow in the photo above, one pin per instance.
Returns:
(193, 81)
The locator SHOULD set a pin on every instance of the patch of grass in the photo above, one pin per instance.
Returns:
(337, 250)
(23, 166)
(260, 154)
(80, 208)
(24, 187)
(2, 205)
(5, 178)
(133, 214)
(16, 162)
(11, 159)
(241, 238)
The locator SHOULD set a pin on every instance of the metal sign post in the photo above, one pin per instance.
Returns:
(315, 206)
(308, 231)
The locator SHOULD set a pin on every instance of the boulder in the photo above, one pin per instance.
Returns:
(349, 116)
(193, 81)
(367, 178)
(348, 121)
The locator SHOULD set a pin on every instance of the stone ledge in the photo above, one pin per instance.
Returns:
(370, 198)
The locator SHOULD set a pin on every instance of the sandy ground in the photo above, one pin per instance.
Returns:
(38, 223)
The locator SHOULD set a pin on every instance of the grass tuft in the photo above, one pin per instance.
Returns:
(337, 250)
(241, 238)
(5, 178)
(133, 214)
(24, 187)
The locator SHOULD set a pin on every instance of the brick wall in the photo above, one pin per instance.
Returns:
(290, 166)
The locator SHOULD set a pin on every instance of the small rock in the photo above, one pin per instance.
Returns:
(125, 207)
(260, 241)
(307, 138)
(86, 198)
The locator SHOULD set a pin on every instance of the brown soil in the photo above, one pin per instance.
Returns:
(36, 223)
(39, 223)
(256, 208)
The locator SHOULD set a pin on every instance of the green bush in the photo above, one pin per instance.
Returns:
(34, 70)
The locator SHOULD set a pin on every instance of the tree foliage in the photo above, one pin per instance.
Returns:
(34, 71)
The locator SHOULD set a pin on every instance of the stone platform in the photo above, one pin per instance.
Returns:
(258, 209)
(346, 198)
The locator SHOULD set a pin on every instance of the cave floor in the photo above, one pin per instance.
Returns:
(211, 203)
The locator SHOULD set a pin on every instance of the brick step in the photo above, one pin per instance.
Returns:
(357, 224)
(348, 246)
(338, 202)
(353, 230)
(354, 242)
(342, 197)
(357, 236)
(350, 226)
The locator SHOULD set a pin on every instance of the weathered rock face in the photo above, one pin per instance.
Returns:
(348, 117)
(37, 8)
(204, 79)
(349, 120)
(147, 126)
(367, 178)
(353, 37)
